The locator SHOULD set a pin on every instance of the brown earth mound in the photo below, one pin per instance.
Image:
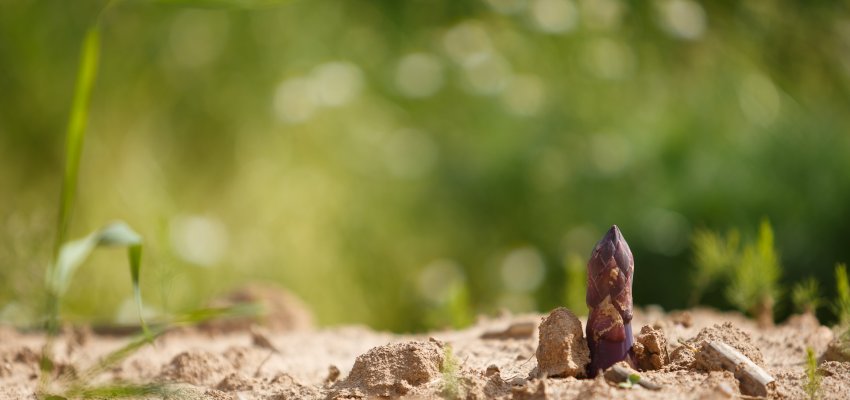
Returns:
(392, 370)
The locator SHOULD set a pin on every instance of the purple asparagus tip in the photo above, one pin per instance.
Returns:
(609, 298)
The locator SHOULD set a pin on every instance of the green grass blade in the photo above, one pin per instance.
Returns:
(123, 391)
(76, 130)
(842, 303)
(74, 253)
(206, 314)
(78, 383)
(115, 357)
(134, 253)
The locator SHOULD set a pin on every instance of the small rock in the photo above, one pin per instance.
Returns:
(718, 356)
(684, 355)
(651, 349)
(393, 370)
(562, 350)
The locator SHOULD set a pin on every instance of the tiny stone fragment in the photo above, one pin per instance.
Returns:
(718, 356)
(684, 356)
(562, 350)
(651, 349)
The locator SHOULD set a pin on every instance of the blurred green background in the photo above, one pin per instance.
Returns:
(409, 164)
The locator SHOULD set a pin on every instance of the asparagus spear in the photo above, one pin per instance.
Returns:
(609, 298)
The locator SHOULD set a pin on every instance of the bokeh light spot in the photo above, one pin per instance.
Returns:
(610, 153)
(295, 100)
(522, 270)
(609, 59)
(336, 83)
(525, 95)
(438, 279)
(601, 14)
(554, 16)
(487, 74)
(410, 153)
(197, 38)
(467, 41)
(684, 19)
(419, 75)
(200, 240)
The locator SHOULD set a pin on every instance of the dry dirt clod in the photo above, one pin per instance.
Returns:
(234, 382)
(562, 350)
(392, 370)
(199, 368)
(651, 349)
(684, 356)
(716, 356)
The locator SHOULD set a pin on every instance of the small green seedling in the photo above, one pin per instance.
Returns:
(452, 388)
(841, 307)
(755, 281)
(630, 382)
(813, 377)
(715, 256)
(806, 296)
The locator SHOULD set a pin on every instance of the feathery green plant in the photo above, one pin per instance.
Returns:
(753, 272)
(714, 257)
(813, 378)
(806, 296)
(841, 307)
(755, 281)
(452, 388)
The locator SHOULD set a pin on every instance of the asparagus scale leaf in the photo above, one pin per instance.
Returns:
(609, 300)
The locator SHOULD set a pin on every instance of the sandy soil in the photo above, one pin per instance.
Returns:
(495, 358)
